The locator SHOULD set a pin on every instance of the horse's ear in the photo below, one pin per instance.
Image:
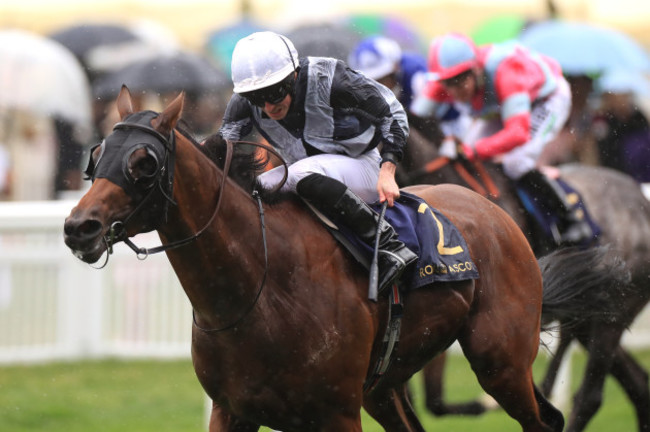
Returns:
(166, 120)
(124, 102)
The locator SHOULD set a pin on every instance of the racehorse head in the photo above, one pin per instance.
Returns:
(132, 172)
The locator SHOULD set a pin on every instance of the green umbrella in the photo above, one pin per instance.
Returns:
(498, 29)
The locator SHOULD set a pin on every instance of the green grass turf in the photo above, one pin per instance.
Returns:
(141, 396)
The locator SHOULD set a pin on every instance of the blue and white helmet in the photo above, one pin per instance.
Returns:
(375, 57)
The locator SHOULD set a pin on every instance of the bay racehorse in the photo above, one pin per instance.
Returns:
(617, 205)
(283, 334)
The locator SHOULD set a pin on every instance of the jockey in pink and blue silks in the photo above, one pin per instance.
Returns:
(518, 101)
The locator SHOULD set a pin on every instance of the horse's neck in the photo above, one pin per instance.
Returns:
(228, 243)
(223, 270)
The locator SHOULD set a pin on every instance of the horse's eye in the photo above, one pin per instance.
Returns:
(142, 167)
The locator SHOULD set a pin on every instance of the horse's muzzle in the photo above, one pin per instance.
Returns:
(85, 238)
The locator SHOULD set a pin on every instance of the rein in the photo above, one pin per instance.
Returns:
(259, 291)
(487, 190)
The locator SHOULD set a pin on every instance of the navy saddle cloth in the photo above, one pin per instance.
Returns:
(441, 248)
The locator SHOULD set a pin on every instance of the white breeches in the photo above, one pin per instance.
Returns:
(360, 174)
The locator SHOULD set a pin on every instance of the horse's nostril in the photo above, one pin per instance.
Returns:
(90, 228)
(87, 228)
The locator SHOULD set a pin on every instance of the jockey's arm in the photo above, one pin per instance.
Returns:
(432, 101)
(386, 185)
(515, 114)
(512, 85)
(516, 131)
(352, 90)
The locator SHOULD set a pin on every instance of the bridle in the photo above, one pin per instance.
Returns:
(117, 230)
(164, 183)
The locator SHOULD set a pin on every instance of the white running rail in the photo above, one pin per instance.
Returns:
(53, 306)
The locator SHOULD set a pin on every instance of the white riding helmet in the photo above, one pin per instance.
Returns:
(261, 60)
(375, 57)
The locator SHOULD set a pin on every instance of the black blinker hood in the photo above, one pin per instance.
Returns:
(133, 133)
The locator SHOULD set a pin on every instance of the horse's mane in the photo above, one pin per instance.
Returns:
(245, 166)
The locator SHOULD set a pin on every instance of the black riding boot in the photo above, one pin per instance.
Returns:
(337, 202)
(574, 229)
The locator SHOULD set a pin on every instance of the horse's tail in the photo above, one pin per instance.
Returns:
(581, 285)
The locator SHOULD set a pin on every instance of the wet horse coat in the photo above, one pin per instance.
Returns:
(288, 343)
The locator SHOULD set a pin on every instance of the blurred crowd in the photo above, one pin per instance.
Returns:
(57, 91)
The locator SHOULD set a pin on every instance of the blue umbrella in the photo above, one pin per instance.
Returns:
(221, 42)
(584, 49)
(623, 81)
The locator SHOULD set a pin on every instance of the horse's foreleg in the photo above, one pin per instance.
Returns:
(392, 410)
(433, 374)
(222, 421)
(634, 380)
(601, 344)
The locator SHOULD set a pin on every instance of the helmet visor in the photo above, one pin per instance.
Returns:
(273, 94)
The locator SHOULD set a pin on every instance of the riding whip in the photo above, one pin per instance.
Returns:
(374, 267)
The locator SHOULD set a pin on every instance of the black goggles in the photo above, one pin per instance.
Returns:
(273, 94)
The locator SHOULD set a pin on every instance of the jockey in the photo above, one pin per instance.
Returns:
(327, 121)
(381, 58)
(521, 102)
